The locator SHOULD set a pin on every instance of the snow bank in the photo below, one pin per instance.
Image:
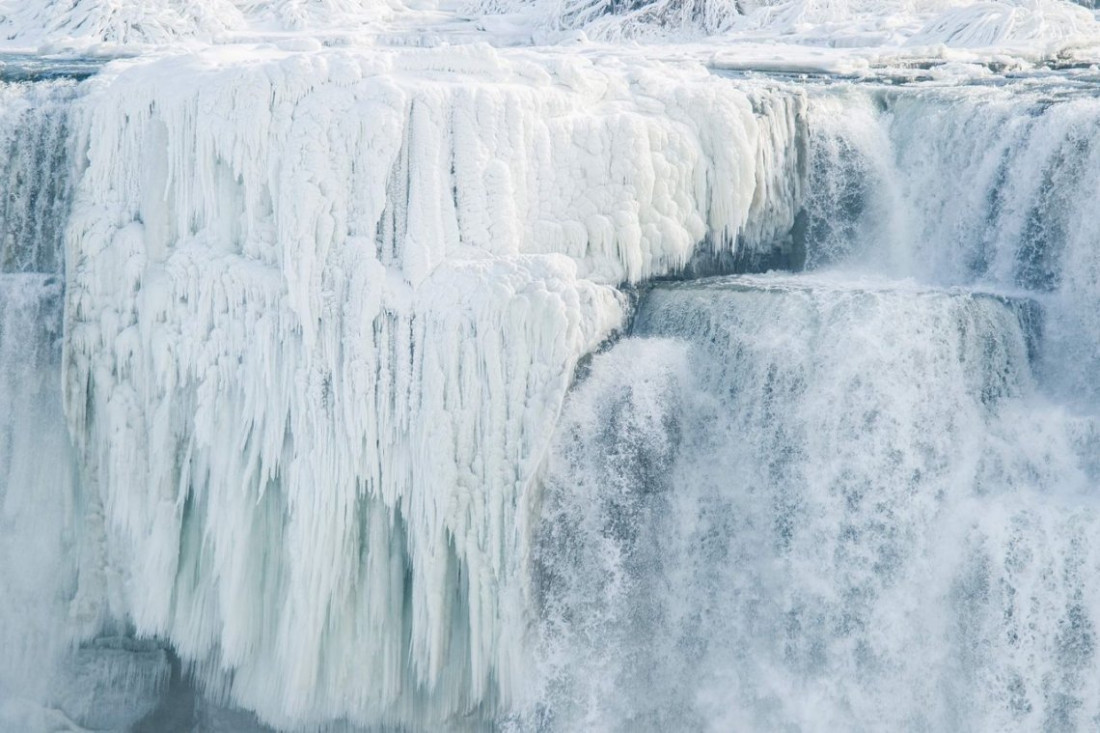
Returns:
(116, 26)
(112, 25)
(117, 22)
(844, 23)
(323, 310)
(307, 14)
(983, 25)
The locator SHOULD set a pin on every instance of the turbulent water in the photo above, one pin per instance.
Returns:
(863, 498)
(824, 504)
(288, 425)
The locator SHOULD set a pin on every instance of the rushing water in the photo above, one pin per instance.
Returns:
(863, 497)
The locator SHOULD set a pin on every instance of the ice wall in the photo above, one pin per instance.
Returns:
(323, 310)
(819, 504)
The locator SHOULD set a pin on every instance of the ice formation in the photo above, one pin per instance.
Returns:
(320, 321)
(299, 410)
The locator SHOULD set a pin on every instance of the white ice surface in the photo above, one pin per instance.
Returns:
(322, 312)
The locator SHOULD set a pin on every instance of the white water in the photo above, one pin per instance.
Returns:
(844, 502)
(36, 488)
(38, 498)
(820, 505)
(990, 185)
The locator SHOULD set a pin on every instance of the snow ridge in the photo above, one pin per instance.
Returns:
(117, 21)
(956, 23)
(110, 25)
(121, 23)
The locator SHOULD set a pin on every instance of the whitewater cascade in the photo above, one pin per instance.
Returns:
(842, 502)
(304, 408)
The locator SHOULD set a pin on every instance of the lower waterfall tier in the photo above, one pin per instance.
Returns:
(809, 504)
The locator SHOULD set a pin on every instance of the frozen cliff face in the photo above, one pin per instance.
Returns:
(322, 311)
(322, 314)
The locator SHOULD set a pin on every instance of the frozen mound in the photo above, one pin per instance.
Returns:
(818, 22)
(306, 14)
(992, 24)
(106, 25)
(114, 22)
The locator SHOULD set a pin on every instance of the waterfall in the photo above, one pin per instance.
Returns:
(861, 497)
(818, 503)
(474, 388)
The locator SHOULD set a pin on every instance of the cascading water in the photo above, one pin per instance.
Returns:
(863, 498)
(820, 504)
(37, 470)
(63, 663)
(34, 175)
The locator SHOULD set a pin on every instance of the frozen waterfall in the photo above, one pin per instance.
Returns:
(468, 388)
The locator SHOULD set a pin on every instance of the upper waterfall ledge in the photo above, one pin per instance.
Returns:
(322, 313)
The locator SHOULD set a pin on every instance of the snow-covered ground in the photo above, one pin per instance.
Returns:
(782, 31)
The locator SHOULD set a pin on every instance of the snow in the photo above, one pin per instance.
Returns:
(116, 22)
(896, 29)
